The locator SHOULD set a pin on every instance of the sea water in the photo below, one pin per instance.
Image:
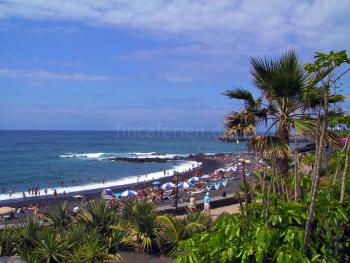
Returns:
(45, 159)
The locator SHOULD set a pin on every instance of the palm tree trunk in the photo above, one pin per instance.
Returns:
(271, 186)
(311, 211)
(262, 184)
(335, 178)
(317, 157)
(283, 135)
(345, 172)
(296, 173)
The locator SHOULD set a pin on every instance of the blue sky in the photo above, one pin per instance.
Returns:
(152, 64)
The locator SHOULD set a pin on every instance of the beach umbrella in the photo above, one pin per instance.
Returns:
(6, 210)
(185, 185)
(231, 169)
(156, 183)
(129, 193)
(193, 179)
(168, 186)
(107, 192)
(78, 196)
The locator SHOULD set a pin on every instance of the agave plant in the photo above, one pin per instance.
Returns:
(58, 215)
(75, 234)
(29, 231)
(51, 247)
(9, 241)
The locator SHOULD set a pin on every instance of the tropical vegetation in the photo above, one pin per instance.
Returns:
(309, 222)
(99, 232)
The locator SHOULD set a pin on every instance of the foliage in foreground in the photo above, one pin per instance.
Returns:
(97, 233)
(234, 239)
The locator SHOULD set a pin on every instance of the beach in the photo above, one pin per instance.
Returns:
(207, 165)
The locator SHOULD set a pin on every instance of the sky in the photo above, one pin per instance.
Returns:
(151, 64)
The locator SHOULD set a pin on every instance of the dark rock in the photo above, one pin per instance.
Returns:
(14, 259)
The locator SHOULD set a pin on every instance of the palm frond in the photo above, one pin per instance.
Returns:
(280, 78)
(237, 123)
(241, 94)
(307, 128)
(269, 146)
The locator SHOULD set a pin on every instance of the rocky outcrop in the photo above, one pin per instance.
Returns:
(144, 160)
(191, 157)
(14, 259)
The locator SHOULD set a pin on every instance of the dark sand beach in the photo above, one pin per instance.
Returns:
(209, 165)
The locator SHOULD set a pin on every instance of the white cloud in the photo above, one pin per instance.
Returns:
(263, 18)
(212, 36)
(42, 75)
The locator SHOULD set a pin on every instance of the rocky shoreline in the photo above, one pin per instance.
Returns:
(191, 157)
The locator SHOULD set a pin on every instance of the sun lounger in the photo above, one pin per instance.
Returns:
(198, 192)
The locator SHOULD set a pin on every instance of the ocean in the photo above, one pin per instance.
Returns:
(45, 159)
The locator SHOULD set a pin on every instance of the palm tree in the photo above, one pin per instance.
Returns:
(280, 83)
(96, 215)
(92, 250)
(140, 216)
(180, 228)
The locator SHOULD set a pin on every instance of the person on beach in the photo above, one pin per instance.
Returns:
(24, 195)
(45, 191)
(206, 201)
(55, 193)
(29, 191)
(192, 204)
(62, 183)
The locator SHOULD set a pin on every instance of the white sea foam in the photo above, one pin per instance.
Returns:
(182, 167)
(83, 155)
